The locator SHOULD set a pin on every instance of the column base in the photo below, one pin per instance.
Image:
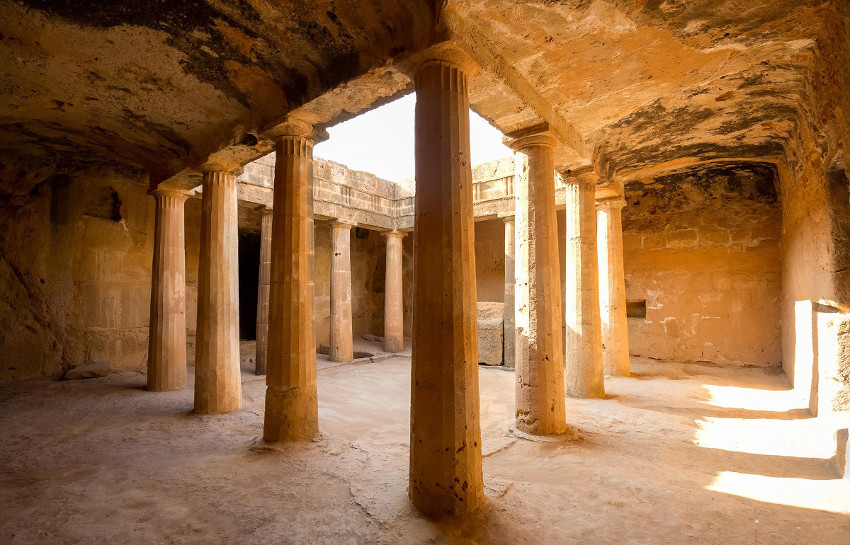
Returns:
(292, 414)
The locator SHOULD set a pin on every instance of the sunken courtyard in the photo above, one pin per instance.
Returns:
(631, 327)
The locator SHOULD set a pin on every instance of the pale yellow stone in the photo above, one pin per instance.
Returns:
(583, 343)
(540, 404)
(292, 408)
(393, 294)
(612, 287)
(445, 434)
(218, 384)
(342, 342)
(263, 291)
(167, 340)
(509, 355)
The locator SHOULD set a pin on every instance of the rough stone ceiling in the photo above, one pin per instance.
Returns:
(160, 84)
(628, 84)
(649, 81)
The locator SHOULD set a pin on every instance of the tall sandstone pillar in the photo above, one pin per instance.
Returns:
(393, 294)
(342, 342)
(583, 365)
(292, 409)
(218, 384)
(445, 434)
(540, 403)
(509, 327)
(263, 291)
(167, 340)
(612, 287)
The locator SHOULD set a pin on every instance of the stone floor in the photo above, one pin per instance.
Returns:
(678, 454)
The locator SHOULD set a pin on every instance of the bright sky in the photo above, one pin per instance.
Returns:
(381, 141)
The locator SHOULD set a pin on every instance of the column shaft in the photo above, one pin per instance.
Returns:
(167, 339)
(393, 294)
(583, 366)
(445, 436)
(540, 403)
(218, 385)
(612, 288)
(509, 328)
(292, 410)
(263, 291)
(342, 342)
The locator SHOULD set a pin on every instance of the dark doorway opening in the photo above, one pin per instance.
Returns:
(249, 277)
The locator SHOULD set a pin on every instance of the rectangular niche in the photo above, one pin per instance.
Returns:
(636, 308)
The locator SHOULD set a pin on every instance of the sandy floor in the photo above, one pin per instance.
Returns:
(679, 454)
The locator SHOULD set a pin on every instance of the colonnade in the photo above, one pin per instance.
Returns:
(445, 443)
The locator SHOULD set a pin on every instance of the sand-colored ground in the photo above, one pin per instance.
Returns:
(679, 454)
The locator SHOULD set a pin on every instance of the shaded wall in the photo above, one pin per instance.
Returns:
(75, 261)
(701, 248)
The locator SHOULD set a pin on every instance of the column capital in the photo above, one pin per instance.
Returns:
(395, 233)
(443, 53)
(342, 224)
(507, 217)
(581, 179)
(164, 191)
(536, 135)
(265, 210)
(613, 202)
(296, 128)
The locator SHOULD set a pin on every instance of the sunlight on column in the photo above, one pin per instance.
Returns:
(825, 495)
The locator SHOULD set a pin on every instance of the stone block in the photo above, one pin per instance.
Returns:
(90, 370)
(683, 238)
(490, 334)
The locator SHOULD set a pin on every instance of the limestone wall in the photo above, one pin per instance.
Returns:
(702, 249)
(75, 259)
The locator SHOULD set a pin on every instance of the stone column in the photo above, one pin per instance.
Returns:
(218, 381)
(342, 343)
(167, 339)
(445, 434)
(509, 328)
(263, 291)
(292, 409)
(393, 294)
(612, 287)
(540, 403)
(583, 365)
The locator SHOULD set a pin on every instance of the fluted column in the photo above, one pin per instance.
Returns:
(583, 365)
(263, 291)
(445, 435)
(509, 327)
(342, 342)
(167, 338)
(393, 295)
(292, 410)
(540, 403)
(218, 385)
(612, 287)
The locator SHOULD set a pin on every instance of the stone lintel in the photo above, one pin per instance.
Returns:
(449, 52)
(610, 202)
(342, 223)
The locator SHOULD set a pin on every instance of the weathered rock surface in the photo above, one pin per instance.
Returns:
(89, 370)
